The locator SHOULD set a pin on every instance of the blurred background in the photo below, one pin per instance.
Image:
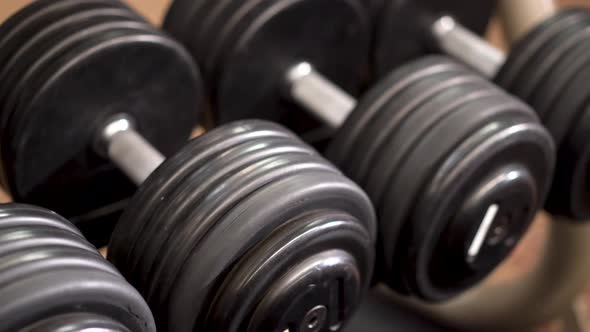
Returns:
(524, 257)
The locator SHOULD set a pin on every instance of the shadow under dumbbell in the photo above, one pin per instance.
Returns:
(380, 313)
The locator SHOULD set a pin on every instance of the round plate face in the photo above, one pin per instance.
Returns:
(79, 82)
(403, 28)
(253, 59)
(54, 272)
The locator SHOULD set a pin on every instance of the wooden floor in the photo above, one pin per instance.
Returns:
(523, 258)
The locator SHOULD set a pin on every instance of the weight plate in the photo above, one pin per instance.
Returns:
(205, 179)
(77, 322)
(558, 77)
(249, 158)
(47, 269)
(569, 195)
(373, 101)
(200, 38)
(148, 90)
(35, 47)
(384, 124)
(256, 41)
(525, 49)
(403, 28)
(529, 146)
(263, 218)
(546, 58)
(178, 18)
(46, 294)
(170, 175)
(395, 143)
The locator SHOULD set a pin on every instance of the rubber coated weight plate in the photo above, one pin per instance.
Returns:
(433, 151)
(77, 322)
(150, 100)
(204, 180)
(178, 18)
(337, 49)
(386, 123)
(525, 49)
(319, 189)
(395, 143)
(546, 58)
(48, 270)
(170, 175)
(226, 181)
(373, 102)
(558, 77)
(269, 309)
(570, 187)
(35, 47)
(403, 29)
(201, 22)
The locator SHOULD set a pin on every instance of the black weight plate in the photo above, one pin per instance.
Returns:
(204, 179)
(25, 23)
(438, 145)
(233, 21)
(178, 18)
(395, 146)
(546, 58)
(569, 107)
(76, 322)
(403, 28)
(260, 290)
(39, 296)
(313, 191)
(35, 47)
(525, 49)
(355, 128)
(201, 22)
(195, 223)
(396, 143)
(404, 189)
(32, 24)
(336, 48)
(515, 142)
(570, 192)
(27, 236)
(37, 260)
(25, 87)
(13, 214)
(398, 110)
(171, 174)
(373, 101)
(136, 89)
(558, 77)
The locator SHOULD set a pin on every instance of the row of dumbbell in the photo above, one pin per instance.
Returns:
(247, 227)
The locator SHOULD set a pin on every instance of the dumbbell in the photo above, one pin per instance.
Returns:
(52, 279)
(244, 228)
(546, 69)
(455, 167)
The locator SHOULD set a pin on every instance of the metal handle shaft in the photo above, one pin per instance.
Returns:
(127, 149)
(326, 101)
(466, 46)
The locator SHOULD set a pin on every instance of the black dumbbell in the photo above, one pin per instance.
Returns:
(52, 279)
(245, 228)
(455, 167)
(546, 69)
